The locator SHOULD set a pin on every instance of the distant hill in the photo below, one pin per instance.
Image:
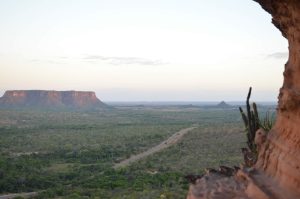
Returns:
(51, 99)
(223, 105)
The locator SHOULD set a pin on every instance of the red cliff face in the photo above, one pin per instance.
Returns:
(50, 99)
(280, 157)
(277, 171)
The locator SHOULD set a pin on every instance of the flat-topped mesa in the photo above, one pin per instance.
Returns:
(50, 99)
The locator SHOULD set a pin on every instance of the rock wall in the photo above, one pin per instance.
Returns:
(50, 99)
(276, 174)
(280, 156)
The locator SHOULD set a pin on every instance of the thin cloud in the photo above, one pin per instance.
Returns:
(45, 61)
(63, 57)
(123, 60)
(278, 55)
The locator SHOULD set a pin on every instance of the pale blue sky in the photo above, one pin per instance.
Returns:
(142, 50)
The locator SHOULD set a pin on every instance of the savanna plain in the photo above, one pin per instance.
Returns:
(72, 154)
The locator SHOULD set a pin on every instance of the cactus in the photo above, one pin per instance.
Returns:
(251, 122)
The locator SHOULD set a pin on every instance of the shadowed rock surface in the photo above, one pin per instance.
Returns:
(50, 99)
(280, 156)
(276, 174)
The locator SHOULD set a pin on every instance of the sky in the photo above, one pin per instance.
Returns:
(142, 50)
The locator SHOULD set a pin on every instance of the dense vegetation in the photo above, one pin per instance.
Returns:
(70, 154)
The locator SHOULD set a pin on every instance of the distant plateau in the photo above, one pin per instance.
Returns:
(51, 99)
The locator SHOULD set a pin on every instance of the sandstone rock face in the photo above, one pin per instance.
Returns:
(277, 171)
(216, 186)
(280, 156)
(50, 99)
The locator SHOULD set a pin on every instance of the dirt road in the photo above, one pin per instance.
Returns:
(23, 195)
(165, 144)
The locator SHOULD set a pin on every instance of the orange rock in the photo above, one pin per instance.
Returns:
(50, 99)
(277, 171)
(280, 157)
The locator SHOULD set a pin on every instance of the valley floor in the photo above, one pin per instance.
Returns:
(173, 139)
(63, 154)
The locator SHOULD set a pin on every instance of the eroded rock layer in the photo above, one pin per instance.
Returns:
(277, 171)
(50, 99)
(280, 156)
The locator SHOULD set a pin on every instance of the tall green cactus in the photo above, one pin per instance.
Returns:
(251, 122)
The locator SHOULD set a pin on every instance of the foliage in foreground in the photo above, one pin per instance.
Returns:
(252, 123)
(70, 155)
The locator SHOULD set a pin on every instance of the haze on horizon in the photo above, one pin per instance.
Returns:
(142, 50)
